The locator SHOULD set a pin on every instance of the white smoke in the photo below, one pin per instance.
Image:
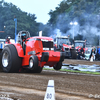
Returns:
(57, 32)
(90, 29)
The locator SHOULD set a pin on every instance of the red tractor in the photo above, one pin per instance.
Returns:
(62, 43)
(30, 53)
(78, 45)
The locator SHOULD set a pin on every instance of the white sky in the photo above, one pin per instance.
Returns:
(40, 8)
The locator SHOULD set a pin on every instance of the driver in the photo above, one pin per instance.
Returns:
(23, 36)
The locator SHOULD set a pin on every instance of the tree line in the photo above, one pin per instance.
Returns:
(25, 21)
(85, 12)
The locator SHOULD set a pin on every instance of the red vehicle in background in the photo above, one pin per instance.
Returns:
(31, 53)
(80, 47)
(78, 44)
(63, 44)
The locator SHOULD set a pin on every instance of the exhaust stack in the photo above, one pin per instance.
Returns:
(40, 33)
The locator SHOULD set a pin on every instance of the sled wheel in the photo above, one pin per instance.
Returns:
(58, 66)
(33, 64)
(11, 62)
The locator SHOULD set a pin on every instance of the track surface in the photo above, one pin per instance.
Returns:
(68, 86)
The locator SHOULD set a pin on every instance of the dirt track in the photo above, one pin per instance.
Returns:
(84, 62)
(68, 86)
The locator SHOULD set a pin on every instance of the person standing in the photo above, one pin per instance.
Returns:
(82, 53)
(97, 53)
(92, 53)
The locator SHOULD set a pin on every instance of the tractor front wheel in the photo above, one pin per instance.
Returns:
(33, 64)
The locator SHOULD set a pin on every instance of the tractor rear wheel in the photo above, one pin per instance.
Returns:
(73, 54)
(58, 66)
(33, 64)
(11, 62)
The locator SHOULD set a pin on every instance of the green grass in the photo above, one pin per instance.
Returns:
(47, 69)
(86, 72)
(74, 71)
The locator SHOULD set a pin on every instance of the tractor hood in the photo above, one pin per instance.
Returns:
(67, 46)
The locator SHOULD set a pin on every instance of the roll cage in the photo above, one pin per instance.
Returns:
(22, 36)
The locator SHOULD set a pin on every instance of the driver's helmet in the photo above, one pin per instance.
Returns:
(23, 36)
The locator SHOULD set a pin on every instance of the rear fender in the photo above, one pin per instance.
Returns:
(52, 56)
(19, 50)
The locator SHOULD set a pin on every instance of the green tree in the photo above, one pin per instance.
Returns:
(25, 21)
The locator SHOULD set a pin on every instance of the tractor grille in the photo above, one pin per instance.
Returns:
(67, 49)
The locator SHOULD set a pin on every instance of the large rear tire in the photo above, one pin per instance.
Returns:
(58, 66)
(33, 65)
(11, 62)
(73, 54)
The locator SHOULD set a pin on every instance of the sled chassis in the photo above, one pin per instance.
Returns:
(31, 53)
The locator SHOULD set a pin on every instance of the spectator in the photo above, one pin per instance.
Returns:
(8, 40)
(98, 53)
(82, 56)
(92, 53)
(79, 52)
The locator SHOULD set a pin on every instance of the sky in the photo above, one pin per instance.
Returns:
(40, 8)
